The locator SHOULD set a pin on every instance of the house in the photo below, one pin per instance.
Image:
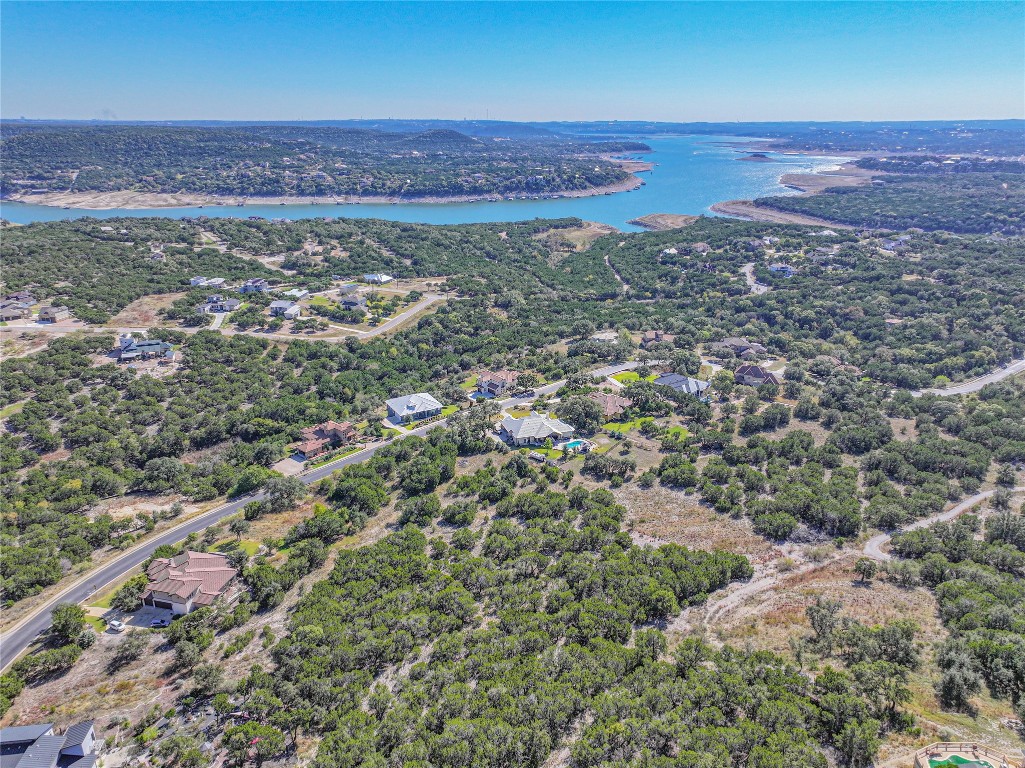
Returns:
(296, 293)
(15, 310)
(377, 279)
(52, 314)
(347, 288)
(681, 383)
(187, 581)
(656, 337)
(611, 405)
(21, 296)
(495, 383)
(754, 376)
(286, 309)
(320, 438)
(700, 248)
(782, 269)
(221, 305)
(353, 303)
(739, 346)
(215, 282)
(413, 407)
(131, 349)
(534, 429)
(37, 746)
(609, 336)
(256, 285)
(197, 281)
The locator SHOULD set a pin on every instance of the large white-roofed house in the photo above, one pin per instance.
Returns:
(413, 407)
(534, 429)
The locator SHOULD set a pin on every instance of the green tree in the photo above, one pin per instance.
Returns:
(67, 622)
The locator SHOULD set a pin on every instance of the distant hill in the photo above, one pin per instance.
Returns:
(297, 160)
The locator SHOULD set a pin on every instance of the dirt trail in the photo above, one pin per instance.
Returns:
(873, 547)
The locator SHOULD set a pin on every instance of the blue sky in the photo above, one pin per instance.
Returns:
(515, 61)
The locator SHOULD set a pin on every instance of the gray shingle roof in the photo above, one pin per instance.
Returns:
(682, 383)
(535, 427)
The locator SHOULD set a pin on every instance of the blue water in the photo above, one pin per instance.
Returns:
(692, 173)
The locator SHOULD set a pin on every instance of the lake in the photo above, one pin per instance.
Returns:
(692, 173)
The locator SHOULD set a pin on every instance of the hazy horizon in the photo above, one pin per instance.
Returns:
(517, 62)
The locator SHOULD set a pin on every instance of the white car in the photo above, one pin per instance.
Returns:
(116, 626)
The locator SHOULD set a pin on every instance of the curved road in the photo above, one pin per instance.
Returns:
(967, 387)
(873, 547)
(14, 642)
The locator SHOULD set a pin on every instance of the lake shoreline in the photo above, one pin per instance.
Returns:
(847, 175)
(133, 200)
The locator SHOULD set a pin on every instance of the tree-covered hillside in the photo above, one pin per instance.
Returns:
(962, 196)
(296, 160)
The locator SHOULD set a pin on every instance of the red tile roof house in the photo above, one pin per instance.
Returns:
(187, 581)
(753, 376)
(611, 405)
(496, 382)
(320, 438)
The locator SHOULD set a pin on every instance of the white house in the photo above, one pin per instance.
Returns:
(377, 279)
(286, 309)
(413, 407)
(534, 429)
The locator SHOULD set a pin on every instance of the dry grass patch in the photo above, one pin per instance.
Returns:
(145, 311)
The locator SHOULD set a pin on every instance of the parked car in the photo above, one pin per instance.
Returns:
(159, 623)
(116, 626)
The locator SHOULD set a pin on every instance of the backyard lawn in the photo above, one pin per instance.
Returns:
(626, 426)
(629, 377)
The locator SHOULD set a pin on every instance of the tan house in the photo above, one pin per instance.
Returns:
(187, 581)
(53, 314)
(15, 310)
(320, 438)
(656, 337)
(495, 383)
(753, 376)
(611, 405)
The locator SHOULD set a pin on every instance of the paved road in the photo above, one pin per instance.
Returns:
(873, 547)
(14, 642)
(967, 387)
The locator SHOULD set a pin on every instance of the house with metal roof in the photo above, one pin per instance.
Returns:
(534, 429)
(413, 407)
(377, 279)
(37, 746)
